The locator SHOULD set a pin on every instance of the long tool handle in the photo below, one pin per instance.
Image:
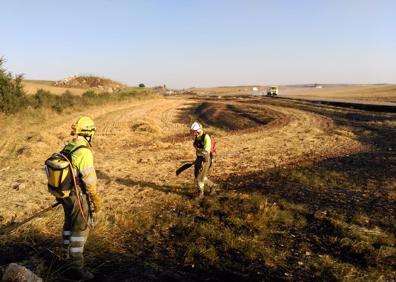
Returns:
(9, 229)
(184, 167)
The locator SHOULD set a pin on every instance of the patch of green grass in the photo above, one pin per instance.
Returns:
(232, 230)
(319, 178)
(360, 235)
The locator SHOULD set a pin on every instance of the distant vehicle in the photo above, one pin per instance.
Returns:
(272, 91)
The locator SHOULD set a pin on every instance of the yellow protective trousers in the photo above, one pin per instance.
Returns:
(75, 230)
(201, 172)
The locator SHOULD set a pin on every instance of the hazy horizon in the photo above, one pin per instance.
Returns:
(203, 43)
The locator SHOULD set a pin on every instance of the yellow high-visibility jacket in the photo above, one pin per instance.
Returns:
(202, 144)
(83, 164)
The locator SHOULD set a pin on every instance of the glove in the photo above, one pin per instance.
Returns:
(97, 202)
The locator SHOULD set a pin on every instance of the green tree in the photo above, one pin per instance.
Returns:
(141, 85)
(12, 96)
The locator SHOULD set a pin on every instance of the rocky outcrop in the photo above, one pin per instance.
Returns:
(91, 82)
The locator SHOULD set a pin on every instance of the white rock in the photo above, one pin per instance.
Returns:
(17, 273)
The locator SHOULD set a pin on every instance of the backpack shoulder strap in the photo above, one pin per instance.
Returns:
(68, 153)
(200, 141)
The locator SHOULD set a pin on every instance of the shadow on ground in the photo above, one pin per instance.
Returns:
(141, 258)
(363, 182)
(174, 189)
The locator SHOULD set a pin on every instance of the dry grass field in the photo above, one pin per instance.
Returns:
(371, 93)
(31, 87)
(307, 192)
(374, 93)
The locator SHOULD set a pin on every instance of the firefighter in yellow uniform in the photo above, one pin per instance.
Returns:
(202, 144)
(77, 205)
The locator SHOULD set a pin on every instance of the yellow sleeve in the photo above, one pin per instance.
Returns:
(207, 143)
(83, 161)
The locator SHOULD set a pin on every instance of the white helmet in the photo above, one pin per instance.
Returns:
(196, 127)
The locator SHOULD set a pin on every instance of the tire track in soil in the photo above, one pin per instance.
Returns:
(289, 136)
(4, 148)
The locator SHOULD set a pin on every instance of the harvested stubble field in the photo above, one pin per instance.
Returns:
(308, 192)
(363, 93)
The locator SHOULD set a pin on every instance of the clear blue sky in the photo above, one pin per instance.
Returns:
(204, 42)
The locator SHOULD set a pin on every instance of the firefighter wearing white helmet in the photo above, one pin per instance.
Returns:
(202, 144)
(76, 205)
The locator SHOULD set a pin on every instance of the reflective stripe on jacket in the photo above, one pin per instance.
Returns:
(83, 163)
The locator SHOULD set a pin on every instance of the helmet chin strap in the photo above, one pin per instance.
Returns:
(89, 138)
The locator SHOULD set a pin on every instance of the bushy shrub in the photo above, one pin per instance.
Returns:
(42, 98)
(45, 99)
(12, 96)
(89, 94)
(67, 100)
